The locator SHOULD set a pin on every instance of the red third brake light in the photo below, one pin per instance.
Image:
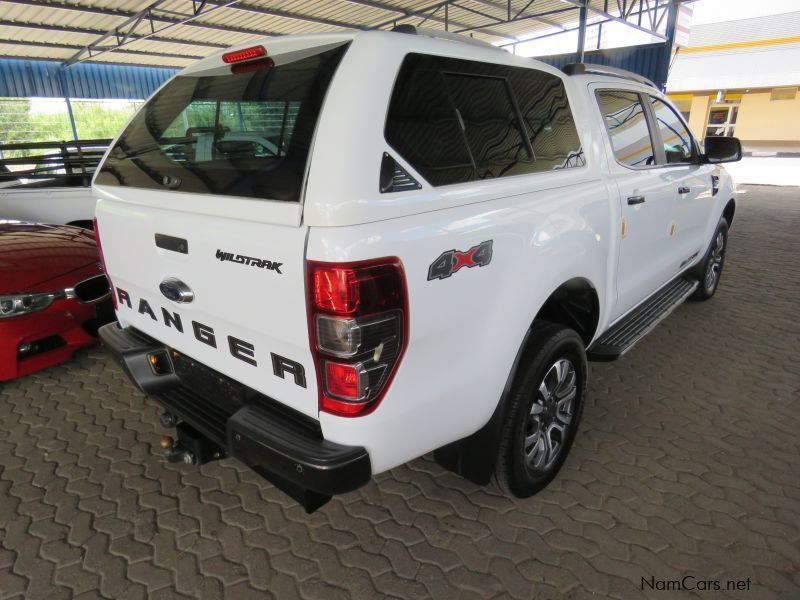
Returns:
(358, 322)
(244, 54)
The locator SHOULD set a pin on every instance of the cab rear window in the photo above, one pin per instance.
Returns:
(241, 130)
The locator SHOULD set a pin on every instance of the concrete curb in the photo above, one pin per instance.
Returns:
(765, 154)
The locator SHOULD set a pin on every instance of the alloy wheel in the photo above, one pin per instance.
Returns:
(551, 416)
(715, 262)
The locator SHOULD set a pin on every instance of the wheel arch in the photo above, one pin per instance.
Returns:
(575, 304)
(729, 211)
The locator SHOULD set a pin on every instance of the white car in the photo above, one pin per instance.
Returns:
(51, 183)
(41, 204)
(445, 236)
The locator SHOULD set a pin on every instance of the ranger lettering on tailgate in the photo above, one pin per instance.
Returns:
(205, 334)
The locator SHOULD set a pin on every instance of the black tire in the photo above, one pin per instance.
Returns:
(709, 270)
(520, 468)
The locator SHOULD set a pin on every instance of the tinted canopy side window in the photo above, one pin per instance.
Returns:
(486, 114)
(457, 121)
(548, 120)
(677, 141)
(627, 127)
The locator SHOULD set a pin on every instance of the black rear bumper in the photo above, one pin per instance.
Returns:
(282, 444)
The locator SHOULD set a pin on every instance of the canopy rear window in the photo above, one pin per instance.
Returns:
(237, 130)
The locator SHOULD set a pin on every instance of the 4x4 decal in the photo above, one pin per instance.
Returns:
(451, 261)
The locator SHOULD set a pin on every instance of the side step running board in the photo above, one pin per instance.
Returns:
(642, 320)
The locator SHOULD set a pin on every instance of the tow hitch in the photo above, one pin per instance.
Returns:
(190, 447)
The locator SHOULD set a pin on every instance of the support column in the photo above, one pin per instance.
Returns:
(600, 27)
(582, 31)
(62, 84)
(666, 56)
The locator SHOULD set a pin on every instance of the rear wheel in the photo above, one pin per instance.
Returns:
(544, 411)
(709, 271)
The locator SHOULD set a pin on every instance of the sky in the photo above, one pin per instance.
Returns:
(617, 34)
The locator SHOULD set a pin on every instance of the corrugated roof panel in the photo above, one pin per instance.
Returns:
(478, 17)
(144, 61)
(21, 78)
(335, 10)
(644, 60)
(11, 50)
(184, 49)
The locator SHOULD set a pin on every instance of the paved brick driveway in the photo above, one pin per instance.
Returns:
(687, 464)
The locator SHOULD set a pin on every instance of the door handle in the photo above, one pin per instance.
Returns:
(635, 200)
(684, 190)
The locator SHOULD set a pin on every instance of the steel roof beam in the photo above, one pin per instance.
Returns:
(121, 34)
(116, 62)
(111, 12)
(524, 18)
(85, 31)
(552, 34)
(622, 20)
(285, 14)
(428, 11)
(347, 25)
(533, 17)
(407, 13)
(78, 46)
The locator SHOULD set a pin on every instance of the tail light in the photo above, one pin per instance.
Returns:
(103, 260)
(358, 323)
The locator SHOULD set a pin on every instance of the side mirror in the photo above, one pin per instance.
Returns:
(720, 149)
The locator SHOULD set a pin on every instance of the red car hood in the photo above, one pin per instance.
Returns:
(32, 254)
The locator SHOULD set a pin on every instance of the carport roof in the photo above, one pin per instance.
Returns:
(176, 32)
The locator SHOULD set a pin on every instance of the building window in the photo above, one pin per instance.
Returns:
(783, 93)
(722, 120)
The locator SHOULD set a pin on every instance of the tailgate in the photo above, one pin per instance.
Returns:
(200, 208)
(247, 317)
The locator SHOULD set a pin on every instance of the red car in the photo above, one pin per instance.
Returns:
(53, 295)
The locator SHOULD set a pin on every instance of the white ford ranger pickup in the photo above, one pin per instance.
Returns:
(332, 254)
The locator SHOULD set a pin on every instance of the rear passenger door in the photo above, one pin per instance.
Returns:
(645, 260)
(690, 181)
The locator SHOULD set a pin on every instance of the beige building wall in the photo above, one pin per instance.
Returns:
(762, 119)
(699, 114)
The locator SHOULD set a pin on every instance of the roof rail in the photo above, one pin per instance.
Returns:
(592, 69)
(443, 35)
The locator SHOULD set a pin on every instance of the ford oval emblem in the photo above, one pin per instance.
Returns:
(175, 290)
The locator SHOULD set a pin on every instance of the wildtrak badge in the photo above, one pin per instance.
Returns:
(240, 259)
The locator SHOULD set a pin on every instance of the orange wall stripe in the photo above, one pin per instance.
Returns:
(733, 45)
